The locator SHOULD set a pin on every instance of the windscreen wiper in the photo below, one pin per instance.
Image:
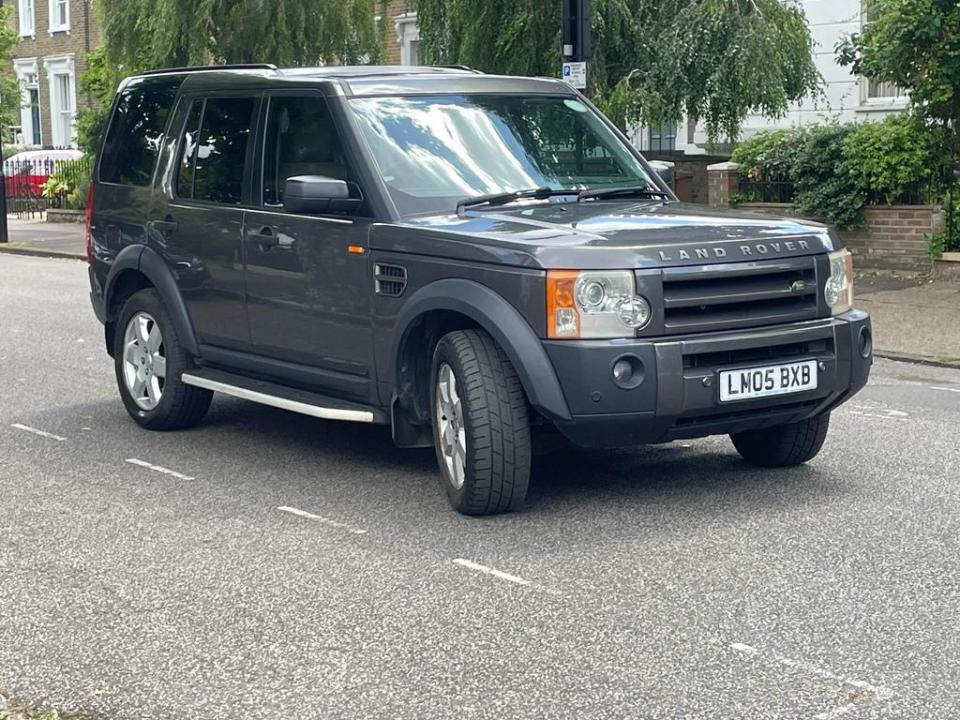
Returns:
(540, 193)
(638, 191)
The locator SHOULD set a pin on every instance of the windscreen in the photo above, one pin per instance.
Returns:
(435, 150)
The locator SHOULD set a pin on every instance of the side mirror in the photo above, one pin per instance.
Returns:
(316, 194)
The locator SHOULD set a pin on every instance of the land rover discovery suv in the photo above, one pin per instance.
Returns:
(477, 261)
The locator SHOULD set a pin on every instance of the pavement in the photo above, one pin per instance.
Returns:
(272, 565)
(915, 319)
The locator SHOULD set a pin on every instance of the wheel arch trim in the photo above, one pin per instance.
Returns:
(504, 324)
(148, 263)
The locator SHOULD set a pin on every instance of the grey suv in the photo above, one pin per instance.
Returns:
(477, 261)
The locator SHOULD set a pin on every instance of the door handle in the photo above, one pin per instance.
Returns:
(264, 236)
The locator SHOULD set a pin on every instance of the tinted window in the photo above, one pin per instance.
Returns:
(301, 140)
(136, 130)
(213, 157)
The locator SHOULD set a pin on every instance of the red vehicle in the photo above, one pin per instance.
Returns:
(26, 172)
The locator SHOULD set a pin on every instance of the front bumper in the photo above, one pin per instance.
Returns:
(678, 396)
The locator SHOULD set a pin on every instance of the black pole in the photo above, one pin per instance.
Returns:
(4, 232)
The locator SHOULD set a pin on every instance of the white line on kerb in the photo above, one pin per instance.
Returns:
(491, 571)
(879, 693)
(325, 521)
(159, 469)
(938, 387)
(41, 433)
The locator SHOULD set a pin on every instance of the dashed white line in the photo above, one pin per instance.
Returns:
(35, 431)
(878, 692)
(159, 469)
(321, 519)
(491, 571)
(940, 387)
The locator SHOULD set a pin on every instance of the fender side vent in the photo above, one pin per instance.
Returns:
(390, 280)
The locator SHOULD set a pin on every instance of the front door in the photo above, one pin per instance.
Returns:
(308, 277)
(201, 222)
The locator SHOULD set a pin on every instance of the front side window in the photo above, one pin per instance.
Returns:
(435, 150)
(136, 131)
(213, 153)
(301, 140)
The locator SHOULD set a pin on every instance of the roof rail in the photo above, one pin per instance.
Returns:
(207, 68)
(460, 67)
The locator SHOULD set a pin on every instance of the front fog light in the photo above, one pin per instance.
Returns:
(838, 291)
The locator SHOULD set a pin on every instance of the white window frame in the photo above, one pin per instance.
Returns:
(27, 18)
(408, 32)
(55, 66)
(28, 77)
(877, 103)
(57, 26)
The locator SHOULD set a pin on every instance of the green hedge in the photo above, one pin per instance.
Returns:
(836, 169)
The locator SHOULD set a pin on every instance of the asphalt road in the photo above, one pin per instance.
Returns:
(666, 582)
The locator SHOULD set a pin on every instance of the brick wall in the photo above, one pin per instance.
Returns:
(83, 36)
(690, 172)
(896, 237)
(391, 44)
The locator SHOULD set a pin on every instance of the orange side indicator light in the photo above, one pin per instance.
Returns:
(563, 320)
(356, 249)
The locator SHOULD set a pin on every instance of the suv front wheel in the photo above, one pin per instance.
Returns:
(149, 359)
(481, 425)
(783, 445)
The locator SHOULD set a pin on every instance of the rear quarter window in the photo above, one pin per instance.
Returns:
(136, 131)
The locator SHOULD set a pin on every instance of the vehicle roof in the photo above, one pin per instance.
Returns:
(367, 80)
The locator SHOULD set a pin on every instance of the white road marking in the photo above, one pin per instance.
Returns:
(41, 433)
(878, 692)
(881, 413)
(491, 571)
(325, 521)
(939, 387)
(159, 469)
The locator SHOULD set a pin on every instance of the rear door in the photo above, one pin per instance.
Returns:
(199, 220)
(309, 283)
(126, 166)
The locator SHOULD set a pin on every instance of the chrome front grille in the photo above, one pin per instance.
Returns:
(739, 295)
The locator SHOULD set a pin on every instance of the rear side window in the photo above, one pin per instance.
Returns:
(213, 150)
(133, 141)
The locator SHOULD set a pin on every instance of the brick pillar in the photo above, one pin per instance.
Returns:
(723, 181)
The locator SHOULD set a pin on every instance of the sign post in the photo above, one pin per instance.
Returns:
(576, 42)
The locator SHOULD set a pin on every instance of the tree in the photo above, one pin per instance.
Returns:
(654, 60)
(916, 44)
(170, 33)
(10, 97)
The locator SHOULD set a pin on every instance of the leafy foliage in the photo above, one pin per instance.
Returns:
(100, 79)
(69, 184)
(836, 169)
(9, 88)
(654, 60)
(170, 33)
(890, 159)
(916, 44)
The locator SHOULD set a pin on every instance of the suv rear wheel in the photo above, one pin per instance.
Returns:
(481, 426)
(149, 359)
(783, 445)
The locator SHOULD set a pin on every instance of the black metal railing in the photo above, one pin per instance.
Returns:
(766, 191)
(35, 185)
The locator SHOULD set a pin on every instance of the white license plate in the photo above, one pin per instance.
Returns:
(766, 381)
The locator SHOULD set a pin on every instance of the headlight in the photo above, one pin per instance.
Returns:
(594, 304)
(838, 292)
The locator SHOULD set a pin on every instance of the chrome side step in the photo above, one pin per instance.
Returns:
(278, 396)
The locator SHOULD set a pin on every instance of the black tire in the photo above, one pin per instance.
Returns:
(180, 406)
(495, 420)
(783, 445)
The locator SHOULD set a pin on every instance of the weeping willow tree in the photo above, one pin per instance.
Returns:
(166, 33)
(654, 61)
